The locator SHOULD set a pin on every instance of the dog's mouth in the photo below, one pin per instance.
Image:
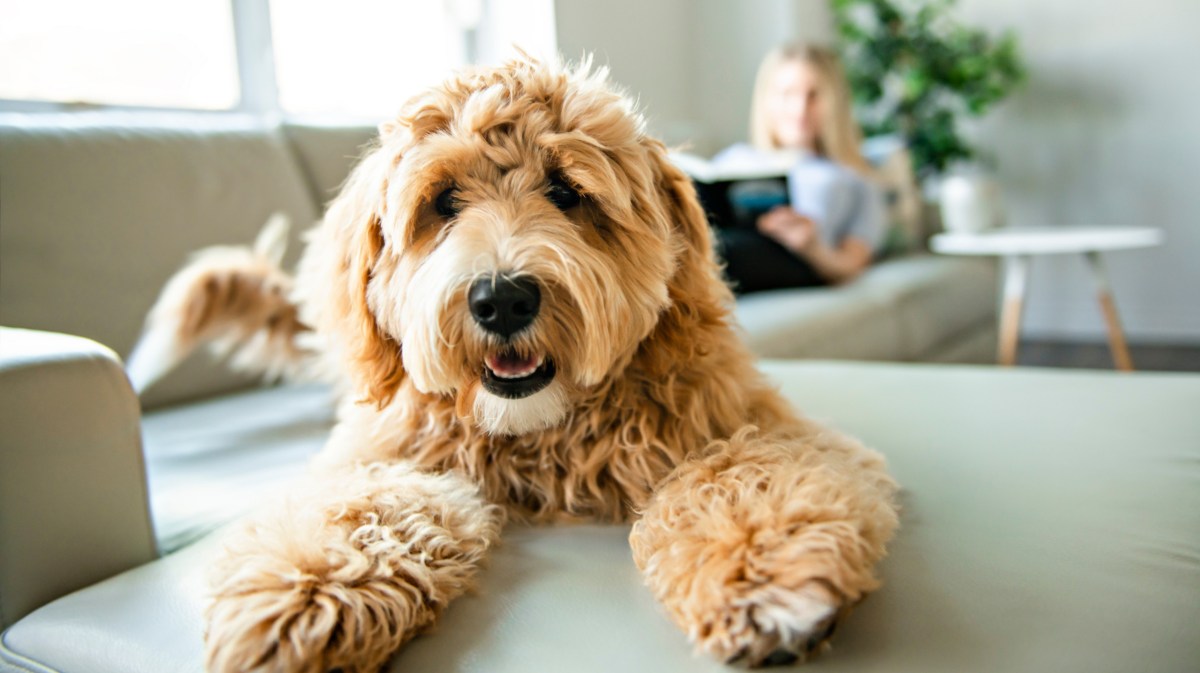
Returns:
(509, 374)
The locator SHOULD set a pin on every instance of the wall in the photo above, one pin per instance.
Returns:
(690, 63)
(647, 46)
(1105, 133)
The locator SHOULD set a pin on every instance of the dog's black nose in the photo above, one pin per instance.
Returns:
(504, 305)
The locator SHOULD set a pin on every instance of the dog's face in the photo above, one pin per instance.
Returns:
(512, 243)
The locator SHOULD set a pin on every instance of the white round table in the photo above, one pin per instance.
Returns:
(1017, 245)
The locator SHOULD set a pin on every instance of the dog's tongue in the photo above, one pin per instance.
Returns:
(509, 365)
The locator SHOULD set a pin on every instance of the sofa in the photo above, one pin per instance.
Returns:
(1049, 522)
(96, 212)
(98, 209)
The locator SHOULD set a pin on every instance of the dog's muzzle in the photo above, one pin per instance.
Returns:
(504, 306)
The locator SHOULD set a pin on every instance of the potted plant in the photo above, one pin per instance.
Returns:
(914, 71)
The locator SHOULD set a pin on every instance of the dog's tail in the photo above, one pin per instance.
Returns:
(235, 299)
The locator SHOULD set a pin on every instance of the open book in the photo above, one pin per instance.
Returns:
(734, 193)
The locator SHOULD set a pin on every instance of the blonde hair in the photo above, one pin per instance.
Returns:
(838, 137)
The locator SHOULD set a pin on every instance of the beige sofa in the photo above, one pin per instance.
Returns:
(1050, 519)
(1050, 523)
(97, 210)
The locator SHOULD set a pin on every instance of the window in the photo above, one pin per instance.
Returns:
(351, 59)
(361, 58)
(119, 52)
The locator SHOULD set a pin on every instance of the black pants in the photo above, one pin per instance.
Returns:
(754, 262)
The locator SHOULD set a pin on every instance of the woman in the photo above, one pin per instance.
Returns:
(829, 232)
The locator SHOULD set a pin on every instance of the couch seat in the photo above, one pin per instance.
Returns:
(902, 309)
(210, 462)
(1050, 523)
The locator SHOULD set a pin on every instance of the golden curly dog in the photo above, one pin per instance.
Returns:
(519, 292)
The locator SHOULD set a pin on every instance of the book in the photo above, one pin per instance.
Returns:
(735, 192)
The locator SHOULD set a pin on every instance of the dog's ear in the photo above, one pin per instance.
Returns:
(698, 273)
(339, 262)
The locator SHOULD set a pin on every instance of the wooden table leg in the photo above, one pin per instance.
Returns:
(1116, 338)
(1016, 270)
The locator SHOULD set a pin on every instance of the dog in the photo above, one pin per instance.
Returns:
(518, 294)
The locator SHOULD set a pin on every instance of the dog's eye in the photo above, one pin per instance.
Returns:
(447, 204)
(561, 194)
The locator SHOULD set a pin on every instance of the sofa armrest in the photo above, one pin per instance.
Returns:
(73, 504)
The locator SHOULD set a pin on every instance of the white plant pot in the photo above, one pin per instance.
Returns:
(970, 203)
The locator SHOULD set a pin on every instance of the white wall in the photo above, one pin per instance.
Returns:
(1105, 132)
(647, 45)
(690, 63)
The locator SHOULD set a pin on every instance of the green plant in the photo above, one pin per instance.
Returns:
(914, 70)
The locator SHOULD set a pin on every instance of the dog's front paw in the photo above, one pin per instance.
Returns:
(344, 576)
(305, 625)
(771, 625)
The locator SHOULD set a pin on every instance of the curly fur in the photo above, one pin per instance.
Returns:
(756, 528)
(341, 580)
(787, 529)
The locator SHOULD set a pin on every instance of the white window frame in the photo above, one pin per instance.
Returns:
(258, 89)
(255, 45)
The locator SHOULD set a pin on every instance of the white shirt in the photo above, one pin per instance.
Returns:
(839, 200)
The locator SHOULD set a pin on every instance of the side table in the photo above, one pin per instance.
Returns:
(1016, 246)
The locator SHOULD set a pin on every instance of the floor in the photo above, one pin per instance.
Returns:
(1146, 357)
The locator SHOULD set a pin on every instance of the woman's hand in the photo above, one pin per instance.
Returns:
(790, 229)
(799, 234)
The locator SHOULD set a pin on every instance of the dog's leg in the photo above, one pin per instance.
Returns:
(344, 573)
(761, 543)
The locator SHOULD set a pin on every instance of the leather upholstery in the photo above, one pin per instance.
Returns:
(1050, 521)
(212, 461)
(72, 486)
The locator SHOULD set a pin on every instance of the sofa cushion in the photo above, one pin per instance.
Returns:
(976, 346)
(840, 322)
(901, 309)
(326, 155)
(210, 462)
(1063, 539)
(936, 299)
(99, 209)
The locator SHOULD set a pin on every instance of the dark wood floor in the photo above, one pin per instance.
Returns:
(1146, 357)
